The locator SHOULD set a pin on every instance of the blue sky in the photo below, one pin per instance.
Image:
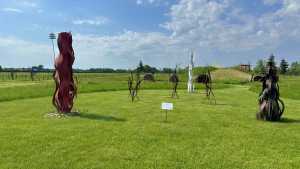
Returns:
(119, 33)
(57, 15)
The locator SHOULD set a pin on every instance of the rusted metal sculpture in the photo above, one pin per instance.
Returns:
(174, 79)
(65, 90)
(12, 75)
(149, 77)
(134, 86)
(207, 81)
(271, 107)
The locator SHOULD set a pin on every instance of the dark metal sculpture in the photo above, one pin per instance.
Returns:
(207, 81)
(134, 85)
(65, 90)
(271, 107)
(32, 73)
(174, 79)
(149, 77)
(12, 75)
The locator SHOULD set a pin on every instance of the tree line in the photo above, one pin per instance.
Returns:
(284, 67)
(140, 68)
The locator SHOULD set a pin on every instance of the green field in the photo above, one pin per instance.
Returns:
(112, 132)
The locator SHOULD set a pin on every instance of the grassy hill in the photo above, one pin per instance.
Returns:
(230, 75)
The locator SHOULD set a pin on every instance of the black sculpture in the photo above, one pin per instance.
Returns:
(149, 77)
(134, 85)
(174, 79)
(207, 81)
(271, 107)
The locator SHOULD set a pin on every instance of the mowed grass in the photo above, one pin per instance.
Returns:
(230, 76)
(112, 132)
(86, 83)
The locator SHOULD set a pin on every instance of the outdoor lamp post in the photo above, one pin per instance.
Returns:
(52, 37)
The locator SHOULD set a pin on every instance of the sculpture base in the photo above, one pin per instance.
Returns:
(61, 115)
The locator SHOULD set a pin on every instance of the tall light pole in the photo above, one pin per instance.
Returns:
(52, 37)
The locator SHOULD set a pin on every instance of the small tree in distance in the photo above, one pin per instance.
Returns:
(260, 67)
(294, 68)
(284, 66)
(140, 68)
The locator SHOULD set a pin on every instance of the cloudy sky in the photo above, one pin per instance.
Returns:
(119, 33)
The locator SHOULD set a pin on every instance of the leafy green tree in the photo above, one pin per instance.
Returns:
(260, 67)
(284, 66)
(1, 68)
(149, 69)
(295, 68)
(40, 67)
(272, 60)
(140, 68)
(167, 70)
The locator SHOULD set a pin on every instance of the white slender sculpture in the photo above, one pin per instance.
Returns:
(190, 85)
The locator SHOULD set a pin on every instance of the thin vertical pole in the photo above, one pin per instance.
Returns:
(166, 115)
(53, 52)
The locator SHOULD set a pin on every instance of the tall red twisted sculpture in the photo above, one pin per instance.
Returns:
(65, 90)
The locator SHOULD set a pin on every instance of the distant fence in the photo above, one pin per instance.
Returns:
(25, 76)
(40, 76)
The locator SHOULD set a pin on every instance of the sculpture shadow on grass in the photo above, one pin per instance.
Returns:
(288, 120)
(100, 117)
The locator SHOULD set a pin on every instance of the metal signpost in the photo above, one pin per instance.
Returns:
(167, 107)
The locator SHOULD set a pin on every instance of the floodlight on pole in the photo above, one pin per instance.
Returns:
(52, 37)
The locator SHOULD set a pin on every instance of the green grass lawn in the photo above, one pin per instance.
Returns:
(112, 132)
(18, 89)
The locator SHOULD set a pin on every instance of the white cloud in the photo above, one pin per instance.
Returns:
(97, 21)
(271, 2)
(126, 49)
(287, 5)
(20, 53)
(30, 4)
(216, 24)
(217, 30)
(153, 2)
(23, 7)
(119, 51)
(14, 10)
(292, 6)
(215, 27)
(139, 2)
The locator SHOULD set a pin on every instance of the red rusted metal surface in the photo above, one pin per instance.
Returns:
(65, 90)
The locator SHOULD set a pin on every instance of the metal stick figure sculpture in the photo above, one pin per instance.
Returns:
(32, 73)
(134, 86)
(271, 107)
(174, 79)
(207, 81)
(65, 90)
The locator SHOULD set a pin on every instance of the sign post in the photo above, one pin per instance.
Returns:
(167, 107)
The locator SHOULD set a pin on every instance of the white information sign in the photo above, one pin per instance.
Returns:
(167, 106)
